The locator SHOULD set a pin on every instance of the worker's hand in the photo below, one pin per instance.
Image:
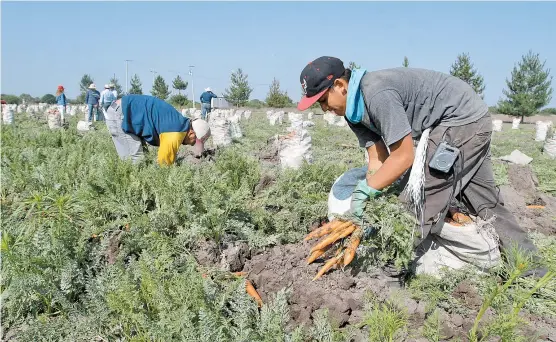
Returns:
(359, 196)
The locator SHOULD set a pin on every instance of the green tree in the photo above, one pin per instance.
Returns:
(117, 87)
(84, 84)
(276, 98)
(179, 101)
(10, 99)
(160, 88)
(529, 88)
(48, 98)
(179, 84)
(463, 69)
(405, 62)
(135, 85)
(255, 103)
(352, 66)
(239, 91)
(28, 99)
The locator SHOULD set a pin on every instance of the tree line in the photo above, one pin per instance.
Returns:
(527, 90)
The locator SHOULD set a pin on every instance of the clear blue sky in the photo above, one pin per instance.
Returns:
(49, 43)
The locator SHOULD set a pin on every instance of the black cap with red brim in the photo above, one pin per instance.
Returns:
(317, 77)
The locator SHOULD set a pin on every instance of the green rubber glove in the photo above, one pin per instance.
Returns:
(359, 196)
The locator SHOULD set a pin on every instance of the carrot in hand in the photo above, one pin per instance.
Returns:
(314, 233)
(333, 261)
(316, 254)
(352, 247)
(253, 293)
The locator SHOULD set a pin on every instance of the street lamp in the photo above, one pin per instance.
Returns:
(192, 90)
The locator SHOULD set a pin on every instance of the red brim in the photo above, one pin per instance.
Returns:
(307, 102)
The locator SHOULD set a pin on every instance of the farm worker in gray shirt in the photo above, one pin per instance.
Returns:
(387, 110)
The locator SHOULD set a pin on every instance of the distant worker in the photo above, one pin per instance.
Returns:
(107, 97)
(62, 102)
(91, 100)
(206, 98)
(137, 119)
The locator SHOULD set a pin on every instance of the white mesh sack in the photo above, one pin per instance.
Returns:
(515, 123)
(541, 130)
(497, 125)
(296, 149)
(220, 132)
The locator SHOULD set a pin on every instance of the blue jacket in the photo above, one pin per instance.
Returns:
(92, 97)
(148, 116)
(207, 96)
(61, 100)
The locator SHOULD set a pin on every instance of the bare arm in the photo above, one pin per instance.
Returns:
(377, 155)
(400, 159)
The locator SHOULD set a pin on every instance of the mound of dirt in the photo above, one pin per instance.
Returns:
(521, 197)
(342, 292)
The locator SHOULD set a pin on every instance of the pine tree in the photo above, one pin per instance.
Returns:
(529, 89)
(352, 66)
(463, 69)
(117, 86)
(405, 62)
(275, 97)
(160, 88)
(84, 84)
(239, 91)
(179, 84)
(136, 85)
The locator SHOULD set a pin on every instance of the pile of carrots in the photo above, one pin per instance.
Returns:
(330, 233)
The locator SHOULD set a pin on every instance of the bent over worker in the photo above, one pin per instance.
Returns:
(392, 107)
(137, 119)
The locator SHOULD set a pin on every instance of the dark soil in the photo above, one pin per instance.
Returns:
(343, 292)
(521, 193)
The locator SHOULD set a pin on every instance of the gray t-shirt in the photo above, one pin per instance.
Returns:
(403, 100)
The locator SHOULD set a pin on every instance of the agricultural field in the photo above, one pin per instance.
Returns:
(96, 249)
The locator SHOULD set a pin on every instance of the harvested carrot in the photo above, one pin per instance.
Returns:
(462, 218)
(240, 274)
(352, 247)
(253, 293)
(333, 261)
(327, 240)
(452, 222)
(335, 236)
(347, 231)
(535, 206)
(314, 233)
(316, 254)
(342, 226)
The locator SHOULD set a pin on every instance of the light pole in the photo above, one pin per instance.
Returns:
(154, 73)
(126, 82)
(192, 90)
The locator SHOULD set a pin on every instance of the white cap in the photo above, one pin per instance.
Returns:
(106, 86)
(92, 86)
(207, 89)
(201, 129)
